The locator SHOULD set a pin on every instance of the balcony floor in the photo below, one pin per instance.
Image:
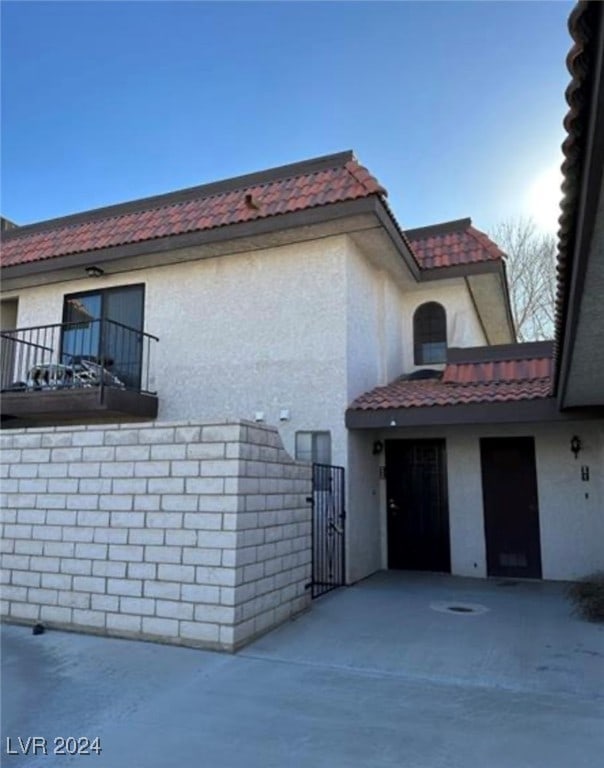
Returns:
(46, 408)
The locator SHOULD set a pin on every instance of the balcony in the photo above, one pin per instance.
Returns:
(76, 373)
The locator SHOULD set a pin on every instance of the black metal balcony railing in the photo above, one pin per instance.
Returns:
(94, 353)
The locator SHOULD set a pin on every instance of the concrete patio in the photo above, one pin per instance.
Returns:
(379, 674)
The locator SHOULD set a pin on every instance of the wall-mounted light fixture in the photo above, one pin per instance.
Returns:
(94, 271)
(378, 447)
(259, 416)
(284, 414)
(576, 445)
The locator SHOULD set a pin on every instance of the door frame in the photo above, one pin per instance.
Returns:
(538, 563)
(442, 442)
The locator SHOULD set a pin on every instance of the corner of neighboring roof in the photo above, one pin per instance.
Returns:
(586, 28)
(6, 225)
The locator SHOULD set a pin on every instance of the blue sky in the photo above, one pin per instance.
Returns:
(456, 107)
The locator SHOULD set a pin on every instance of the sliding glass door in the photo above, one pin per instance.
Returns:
(105, 327)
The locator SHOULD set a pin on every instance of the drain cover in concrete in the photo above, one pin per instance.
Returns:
(462, 609)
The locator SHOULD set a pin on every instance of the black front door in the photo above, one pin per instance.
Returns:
(418, 516)
(511, 508)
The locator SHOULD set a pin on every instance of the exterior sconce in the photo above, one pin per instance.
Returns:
(576, 445)
(378, 447)
(94, 272)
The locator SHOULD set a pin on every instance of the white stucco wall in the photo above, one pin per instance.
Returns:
(262, 331)
(365, 324)
(379, 349)
(571, 523)
(380, 321)
(304, 327)
(363, 524)
(463, 325)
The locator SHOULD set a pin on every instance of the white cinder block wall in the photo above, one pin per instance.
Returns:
(185, 533)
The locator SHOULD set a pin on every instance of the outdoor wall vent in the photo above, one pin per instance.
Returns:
(259, 416)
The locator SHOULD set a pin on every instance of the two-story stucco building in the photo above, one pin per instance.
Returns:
(292, 297)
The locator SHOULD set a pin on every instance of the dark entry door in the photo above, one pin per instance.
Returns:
(418, 516)
(511, 509)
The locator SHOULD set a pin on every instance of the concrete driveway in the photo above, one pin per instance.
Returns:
(379, 674)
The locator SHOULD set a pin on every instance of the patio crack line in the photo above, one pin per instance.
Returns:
(434, 680)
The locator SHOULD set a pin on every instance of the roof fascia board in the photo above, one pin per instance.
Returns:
(500, 352)
(387, 220)
(476, 310)
(503, 276)
(434, 230)
(459, 270)
(538, 410)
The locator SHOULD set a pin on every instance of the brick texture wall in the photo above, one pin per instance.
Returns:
(181, 532)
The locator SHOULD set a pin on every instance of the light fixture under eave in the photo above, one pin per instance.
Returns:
(94, 271)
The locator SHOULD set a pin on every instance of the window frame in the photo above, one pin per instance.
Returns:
(428, 330)
(314, 435)
(102, 293)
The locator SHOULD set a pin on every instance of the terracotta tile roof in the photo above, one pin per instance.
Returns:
(452, 243)
(266, 194)
(497, 371)
(419, 394)
(585, 24)
(495, 381)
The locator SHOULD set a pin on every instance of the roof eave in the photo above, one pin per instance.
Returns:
(583, 169)
(235, 237)
(543, 409)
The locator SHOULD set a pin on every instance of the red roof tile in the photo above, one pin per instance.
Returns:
(419, 394)
(451, 244)
(498, 370)
(347, 180)
(463, 383)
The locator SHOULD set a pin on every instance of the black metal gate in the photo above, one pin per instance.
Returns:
(328, 523)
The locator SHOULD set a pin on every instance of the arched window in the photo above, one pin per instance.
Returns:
(430, 334)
